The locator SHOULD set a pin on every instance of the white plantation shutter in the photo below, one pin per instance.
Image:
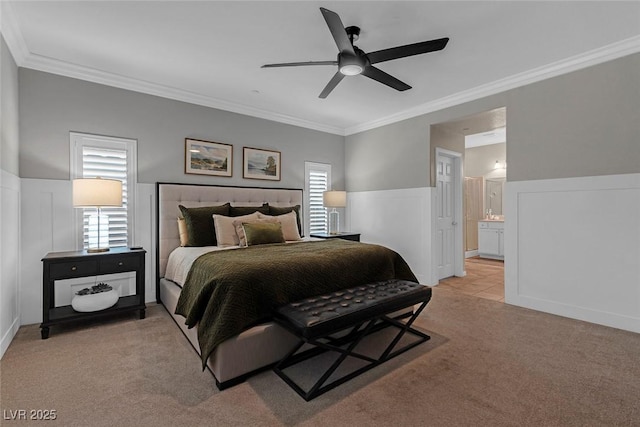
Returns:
(110, 164)
(318, 180)
(110, 158)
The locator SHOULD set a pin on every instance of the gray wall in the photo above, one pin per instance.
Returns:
(584, 123)
(388, 157)
(51, 106)
(441, 137)
(9, 111)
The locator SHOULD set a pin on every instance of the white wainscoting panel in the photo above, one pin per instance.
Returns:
(9, 258)
(145, 234)
(572, 248)
(47, 226)
(397, 219)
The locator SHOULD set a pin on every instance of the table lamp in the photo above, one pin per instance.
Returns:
(97, 193)
(334, 199)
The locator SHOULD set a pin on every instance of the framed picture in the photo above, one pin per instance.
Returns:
(208, 158)
(261, 164)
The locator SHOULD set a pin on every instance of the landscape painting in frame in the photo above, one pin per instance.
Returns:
(208, 158)
(261, 164)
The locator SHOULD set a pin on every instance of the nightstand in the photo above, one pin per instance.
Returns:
(345, 235)
(68, 265)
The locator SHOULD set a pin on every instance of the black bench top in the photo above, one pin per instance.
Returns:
(324, 314)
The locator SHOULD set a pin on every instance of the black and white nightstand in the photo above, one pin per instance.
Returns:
(68, 265)
(344, 235)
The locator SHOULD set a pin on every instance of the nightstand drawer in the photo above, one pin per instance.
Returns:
(68, 270)
(119, 264)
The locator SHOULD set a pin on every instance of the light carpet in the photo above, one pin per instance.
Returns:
(487, 364)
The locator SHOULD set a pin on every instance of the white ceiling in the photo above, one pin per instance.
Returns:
(210, 52)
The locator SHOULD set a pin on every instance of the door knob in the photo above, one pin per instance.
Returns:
(454, 223)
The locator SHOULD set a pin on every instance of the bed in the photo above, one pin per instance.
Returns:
(249, 341)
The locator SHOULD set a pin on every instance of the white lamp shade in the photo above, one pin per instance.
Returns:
(334, 199)
(96, 192)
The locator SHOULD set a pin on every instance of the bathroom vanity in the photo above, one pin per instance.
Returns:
(491, 239)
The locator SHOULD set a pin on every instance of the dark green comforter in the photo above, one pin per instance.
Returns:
(229, 291)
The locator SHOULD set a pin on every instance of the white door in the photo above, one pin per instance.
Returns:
(445, 232)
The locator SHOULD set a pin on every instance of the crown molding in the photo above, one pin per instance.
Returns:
(12, 34)
(26, 59)
(597, 56)
(54, 66)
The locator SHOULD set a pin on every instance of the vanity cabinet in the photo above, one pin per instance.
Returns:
(491, 239)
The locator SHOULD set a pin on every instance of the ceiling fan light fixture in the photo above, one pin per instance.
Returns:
(351, 69)
(350, 65)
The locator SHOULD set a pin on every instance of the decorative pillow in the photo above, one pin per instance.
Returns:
(238, 224)
(246, 210)
(226, 231)
(263, 233)
(182, 229)
(277, 210)
(288, 223)
(199, 222)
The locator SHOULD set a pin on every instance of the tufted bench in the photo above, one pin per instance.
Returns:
(323, 320)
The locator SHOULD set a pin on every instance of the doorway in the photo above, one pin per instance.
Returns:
(452, 137)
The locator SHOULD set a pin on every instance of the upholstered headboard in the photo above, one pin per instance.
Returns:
(170, 195)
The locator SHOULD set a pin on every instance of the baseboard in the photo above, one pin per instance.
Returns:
(471, 254)
(604, 318)
(8, 336)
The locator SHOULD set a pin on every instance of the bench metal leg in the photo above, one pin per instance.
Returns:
(355, 336)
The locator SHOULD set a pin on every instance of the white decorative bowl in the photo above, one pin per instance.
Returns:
(94, 302)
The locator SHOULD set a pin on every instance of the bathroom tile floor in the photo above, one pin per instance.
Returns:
(484, 279)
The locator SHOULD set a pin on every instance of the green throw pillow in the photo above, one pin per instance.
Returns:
(199, 222)
(247, 210)
(275, 211)
(260, 233)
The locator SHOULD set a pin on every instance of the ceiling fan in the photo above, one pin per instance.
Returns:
(352, 61)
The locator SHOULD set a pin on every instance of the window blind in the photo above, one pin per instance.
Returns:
(318, 183)
(111, 164)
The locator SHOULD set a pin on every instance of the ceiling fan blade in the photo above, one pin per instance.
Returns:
(384, 78)
(337, 77)
(337, 31)
(300, 64)
(407, 50)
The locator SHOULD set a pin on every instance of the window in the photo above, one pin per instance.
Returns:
(106, 157)
(317, 181)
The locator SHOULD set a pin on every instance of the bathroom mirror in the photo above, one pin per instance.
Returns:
(494, 190)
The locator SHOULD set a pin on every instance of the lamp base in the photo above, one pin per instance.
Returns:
(97, 250)
(98, 233)
(334, 222)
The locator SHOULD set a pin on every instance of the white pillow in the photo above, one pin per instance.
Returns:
(289, 222)
(226, 231)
